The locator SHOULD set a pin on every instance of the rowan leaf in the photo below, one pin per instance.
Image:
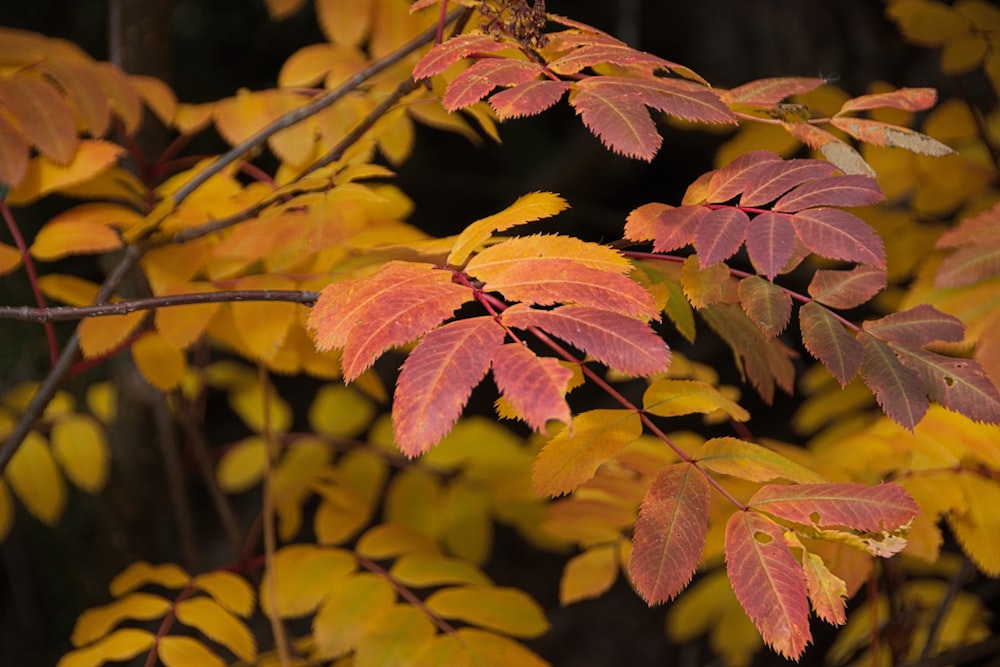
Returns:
(35, 478)
(670, 397)
(588, 575)
(437, 378)
(470, 647)
(528, 99)
(958, 384)
(96, 622)
(614, 53)
(857, 506)
(506, 610)
(422, 570)
(851, 190)
(447, 53)
(290, 588)
(893, 136)
(120, 645)
(60, 238)
(614, 109)
(719, 234)
(43, 176)
(839, 153)
(573, 456)
(676, 227)
(752, 462)
(704, 286)
(141, 573)
(670, 532)
(919, 325)
(619, 342)
(770, 179)
(927, 23)
(849, 288)
(830, 232)
(347, 611)
(218, 624)
(527, 208)
(825, 338)
(770, 242)
(483, 76)
(768, 582)
(176, 651)
(907, 99)
(731, 180)
(162, 364)
(769, 306)
(228, 589)
(80, 447)
(535, 386)
(827, 591)
(899, 391)
(771, 91)
(43, 116)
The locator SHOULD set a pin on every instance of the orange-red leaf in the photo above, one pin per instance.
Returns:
(919, 325)
(676, 227)
(825, 338)
(482, 77)
(846, 289)
(769, 306)
(444, 55)
(768, 582)
(42, 114)
(528, 99)
(767, 181)
(768, 92)
(437, 378)
(670, 532)
(837, 234)
(535, 386)
(893, 136)
(770, 243)
(857, 506)
(615, 53)
(907, 99)
(617, 341)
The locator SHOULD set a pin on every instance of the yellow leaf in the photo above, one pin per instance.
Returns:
(389, 540)
(70, 290)
(61, 238)
(396, 135)
(340, 411)
(344, 23)
(488, 649)
(963, 53)
(142, 573)
(423, 570)
(263, 325)
(750, 461)
(248, 401)
(243, 465)
(444, 651)
(392, 637)
(230, 590)
(977, 528)
(704, 285)
(102, 401)
(926, 22)
(410, 495)
(468, 531)
(340, 516)
(588, 575)
(120, 645)
(80, 447)
(162, 364)
(6, 510)
(183, 325)
(669, 398)
(184, 652)
(506, 610)
(527, 208)
(33, 475)
(218, 625)
(10, 258)
(96, 622)
(157, 96)
(347, 611)
(44, 176)
(99, 335)
(301, 576)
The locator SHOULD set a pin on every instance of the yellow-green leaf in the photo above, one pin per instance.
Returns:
(300, 576)
(97, 621)
(230, 590)
(468, 522)
(528, 208)
(80, 447)
(977, 528)
(142, 573)
(392, 637)
(493, 650)
(506, 610)
(746, 460)
(33, 475)
(670, 398)
(185, 652)
(120, 645)
(243, 465)
(347, 611)
(588, 575)
(218, 625)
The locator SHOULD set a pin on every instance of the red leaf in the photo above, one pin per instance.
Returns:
(769, 306)
(846, 289)
(832, 191)
(825, 338)
(958, 384)
(676, 227)
(898, 390)
(730, 181)
(614, 109)
(769, 92)
(770, 242)
(830, 232)
(771, 180)
(907, 99)
(613, 53)
(446, 54)
(670, 532)
(437, 378)
(768, 582)
(527, 99)
(617, 341)
(476, 82)
(719, 235)
(857, 506)
(919, 325)
(535, 386)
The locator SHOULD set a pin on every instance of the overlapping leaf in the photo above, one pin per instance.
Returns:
(535, 386)
(856, 506)
(825, 338)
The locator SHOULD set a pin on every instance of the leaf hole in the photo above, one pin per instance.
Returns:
(762, 538)
(949, 380)
(814, 517)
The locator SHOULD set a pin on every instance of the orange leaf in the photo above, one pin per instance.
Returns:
(44, 176)
(10, 259)
(157, 96)
(161, 363)
(345, 22)
(670, 532)
(102, 334)
(42, 114)
(263, 325)
(83, 87)
(14, 148)
(59, 238)
(535, 386)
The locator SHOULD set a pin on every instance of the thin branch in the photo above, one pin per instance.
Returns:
(961, 655)
(64, 313)
(954, 586)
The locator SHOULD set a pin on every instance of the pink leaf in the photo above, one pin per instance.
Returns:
(770, 242)
(476, 82)
(857, 506)
(825, 338)
(528, 99)
(769, 306)
(831, 191)
(958, 384)
(720, 234)
(898, 390)
(830, 232)
(846, 289)
(769, 92)
(446, 54)
(773, 179)
(919, 325)
(730, 180)
(676, 227)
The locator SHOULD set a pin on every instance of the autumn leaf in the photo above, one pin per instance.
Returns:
(527, 208)
(857, 506)
(893, 136)
(535, 386)
(919, 325)
(750, 461)
(719, 234)
(771, 91)
(769, 306)
(588, 575)
(849, 288)
(830, 232)
(444, 55)
(481, 77)
(831, 191)
(772, 178)
(825, 338)
(770, 243)
(899, 391)
(528, 99)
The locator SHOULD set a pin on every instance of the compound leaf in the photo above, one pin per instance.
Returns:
(481, 77)
(899, 391)
(527, 208)
(750, 461)
(830, 232)
(506, 610)
(719, 234)
(850, 190)
(770, 243)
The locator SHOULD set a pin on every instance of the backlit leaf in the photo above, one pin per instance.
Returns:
(704, 285)
(572, 457)
(976, 527)
(218, 624)
(506, 610)
(670, 532)
(80, 447)
(301, 575)
(437, 378)
(177, 651)
(243, 465)
(753, 462)
(340, 411)
(527, 208)
(899, 391)
(42, 114)
(96, 622)
(919, 325)
(768, 582)
(676, 227)
(92, 157)
(825, 338)
(588, 575)
(831, 191)
(422, 570)
(827, 591)
(162, 364)
(347, 611)
(141, 573)
(228, 589)
(535, 386)
(839, 288)
(36, 480)
(392, 637)
(444, 55)
(483, 76)
(768, 305)
(830, 232)
(617, 341)
(733, 178)
(120, 645)
(770, 179)
(770, 243)
(857, 506)
(719, 234)
(668, 397)
(528, 99)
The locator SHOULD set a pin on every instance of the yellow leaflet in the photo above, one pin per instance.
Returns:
(506, 610)
(229, 590)
(10, 259)
(341, 514)
(301, 576)
(746, 460)
(99, 335)
(6, 510)
(964, 53)
(463, 447)
(243, 465)
(219, 625)
(423, 570)
(248, 401)
(184, 651)
(349, 608)
(303, 464)
(704, 286)
(33, 475)
(388, 540)
(527, 208)
(80, 447)
(393, 636)
(68, 289)
(413, 499)
(670, 398)
(263, 325)
(44, 176)
(364, 472)
(60, 238)
(120, 645)
(395, 134)
(171, 267)
(470, 647)
(977, 528)
(340, 411)
(926, 22)
(588, 575)
(157, 95)
(96, 622)
(468, 531)
(142, 573)
(159, 361)
(183, 325)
